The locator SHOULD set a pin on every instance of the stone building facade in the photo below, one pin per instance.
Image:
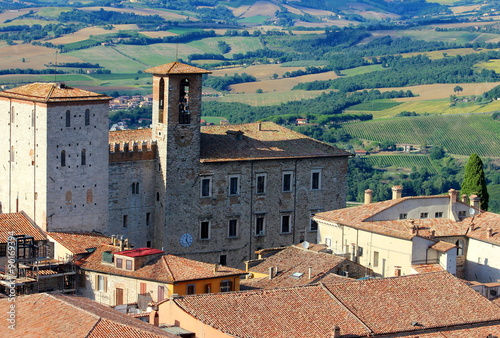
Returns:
(211, 193)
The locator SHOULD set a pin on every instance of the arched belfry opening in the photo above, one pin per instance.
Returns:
(184, 114)
(161, 100)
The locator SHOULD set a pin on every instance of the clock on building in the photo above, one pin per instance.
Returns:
(186, 240)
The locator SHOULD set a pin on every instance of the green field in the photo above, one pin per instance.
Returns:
(447, 36)
(377, 105)
(459, 134)
(400, 161)
(52, 12)
(266, 99)
(362, 70)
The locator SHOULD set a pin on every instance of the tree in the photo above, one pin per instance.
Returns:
(458, 89)
(474, 181)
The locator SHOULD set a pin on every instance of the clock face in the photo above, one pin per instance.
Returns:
(186, 240)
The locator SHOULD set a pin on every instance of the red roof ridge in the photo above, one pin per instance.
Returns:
(164, 259)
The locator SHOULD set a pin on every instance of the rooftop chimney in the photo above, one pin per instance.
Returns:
(335, 332)
(475, 201)
(453, 195)
(464, 198)
(216, 268)
(368, 196)
(489, 232)
(310, 272)
(259, 126)
(270, 272)
(397, 192)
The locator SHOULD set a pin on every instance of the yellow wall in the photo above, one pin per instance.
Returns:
(180, 288)
(391, 251)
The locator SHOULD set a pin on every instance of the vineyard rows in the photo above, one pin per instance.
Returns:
(458, 134)
(400, 161)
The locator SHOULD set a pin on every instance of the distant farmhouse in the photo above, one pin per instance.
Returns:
(213, 193)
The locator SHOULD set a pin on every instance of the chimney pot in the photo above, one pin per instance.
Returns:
(335, 332)
(310, 272)
(270, 272)
(489, 232)
(368, 196)
(464, 198)
(216, 268)
(397, 192)
(453, 195)
(475, 201)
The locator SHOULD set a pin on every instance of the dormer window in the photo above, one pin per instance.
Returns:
(184, 114)
(128, 264)
(119, 263)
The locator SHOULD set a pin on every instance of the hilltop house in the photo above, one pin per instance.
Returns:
(411, 234)
(211, 193)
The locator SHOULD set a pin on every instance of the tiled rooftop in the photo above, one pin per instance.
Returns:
(443, 246)
(79, 242)
(359, 218)
(176, 68)
(52, 92)
(19, 224)
(140, 252)
(167, 268)
(51, 315)
(269, 141)
(393, 305)
(295, 260)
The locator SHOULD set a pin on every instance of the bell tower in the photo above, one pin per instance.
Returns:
(177, 93)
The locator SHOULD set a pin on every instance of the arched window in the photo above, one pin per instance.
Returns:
(84, 157)
(87, 117)
(63, 158)
(460, 247)
(184, 115)
(68, 118)
(161, 100)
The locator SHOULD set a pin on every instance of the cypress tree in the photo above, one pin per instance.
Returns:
(474, 181)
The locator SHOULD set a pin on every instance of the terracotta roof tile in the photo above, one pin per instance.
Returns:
(69, 316)
(307, 311)
(434, 301)
(139, 252)
(130, 135)
(176, 68)
(270, 141)
(361, 217)
(295, 260)
(79, 242)
(51, 92)
(443, 246)
(426, 268)
(167, 268)
(19, 224)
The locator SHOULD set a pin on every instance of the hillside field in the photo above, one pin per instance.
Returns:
(446, 131)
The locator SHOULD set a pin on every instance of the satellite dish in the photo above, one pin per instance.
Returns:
(472, 211)
(305, 245)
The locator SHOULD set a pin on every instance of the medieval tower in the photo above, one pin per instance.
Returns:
(53, 163)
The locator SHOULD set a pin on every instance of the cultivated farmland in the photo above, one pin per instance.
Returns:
(459, 134)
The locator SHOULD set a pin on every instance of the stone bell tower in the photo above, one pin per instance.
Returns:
(176, 129)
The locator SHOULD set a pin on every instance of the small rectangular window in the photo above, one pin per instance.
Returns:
(375, 259)
(125, 221)
(190, 289)
(148, 218)
(208, 288)
(328, 242)
(462, 213)
(128, 264)
(205, 230)
(313, 225)
(223, 260)
(287, 181)
(259, 225)
(161, 293)
(226, 286)
(403, 216)
(206, 187)
(261, 184)
(316, 180)
(438, 214)
(424, 215)
(102, 283)
(119, 263)
(285, 224)
(232, 230)
(234, 185)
